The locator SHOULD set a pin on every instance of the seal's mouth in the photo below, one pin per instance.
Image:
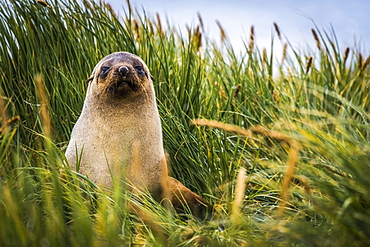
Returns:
(112, 89)
(122, 84)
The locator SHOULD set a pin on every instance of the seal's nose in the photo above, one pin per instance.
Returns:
(123, 70)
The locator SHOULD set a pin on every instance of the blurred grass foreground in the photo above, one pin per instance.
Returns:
(285, 159)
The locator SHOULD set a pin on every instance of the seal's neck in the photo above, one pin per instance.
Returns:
(138, 104)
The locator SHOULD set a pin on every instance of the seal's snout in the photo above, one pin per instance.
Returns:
(123, 70)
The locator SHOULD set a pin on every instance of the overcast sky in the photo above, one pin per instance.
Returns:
(349, 18)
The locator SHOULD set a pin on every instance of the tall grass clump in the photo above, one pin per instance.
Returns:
(279, 147)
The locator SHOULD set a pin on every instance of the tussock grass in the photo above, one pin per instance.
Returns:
(315, 101)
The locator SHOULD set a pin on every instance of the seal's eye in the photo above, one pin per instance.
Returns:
(103, 72)
(104, 69)
(139, 70)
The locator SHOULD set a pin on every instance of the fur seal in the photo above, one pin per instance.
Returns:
(119, 110)
(119, 134)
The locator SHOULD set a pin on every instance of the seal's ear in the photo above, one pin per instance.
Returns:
(151, 77)
(89, 80)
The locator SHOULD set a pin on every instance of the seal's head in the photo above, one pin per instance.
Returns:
(120, 74)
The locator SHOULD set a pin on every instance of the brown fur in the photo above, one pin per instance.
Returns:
(186, 201)
(119, 134)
